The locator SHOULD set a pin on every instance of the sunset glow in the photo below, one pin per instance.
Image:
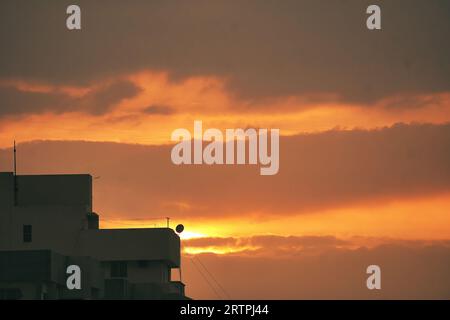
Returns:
(362, 172)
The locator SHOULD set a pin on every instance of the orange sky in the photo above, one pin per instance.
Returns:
(207, 99)
(401, 219)
(179, 103)
(364, 120)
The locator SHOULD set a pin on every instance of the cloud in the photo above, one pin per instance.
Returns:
(265, 49)
(408, 271)
(264, 245)
(266, 241)
(96, 101)
(18, 102)
(102, 99)
(158, 110)
(290, 246)
(317, 172)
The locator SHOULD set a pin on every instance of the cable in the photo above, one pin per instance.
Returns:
(214, 279)
(206, 279)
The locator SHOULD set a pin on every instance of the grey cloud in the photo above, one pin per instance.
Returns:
(99, 101)
(159, 110)
(317, 171)
(15, 102)
(266, 48)
(407, 271)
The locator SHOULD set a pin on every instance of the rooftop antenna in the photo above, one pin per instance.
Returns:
(16, 189)
(15, 160)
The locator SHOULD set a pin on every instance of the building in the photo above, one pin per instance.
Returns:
(47, 224)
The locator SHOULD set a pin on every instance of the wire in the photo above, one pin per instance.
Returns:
(206, 279)
(214, 279)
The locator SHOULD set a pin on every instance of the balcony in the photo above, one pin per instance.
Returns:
(157, 244)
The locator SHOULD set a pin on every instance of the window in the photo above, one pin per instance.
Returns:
(27, 233)
(119, 269)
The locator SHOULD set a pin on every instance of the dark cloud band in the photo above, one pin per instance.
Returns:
(96, 102)
(265, 48)
(317, 171)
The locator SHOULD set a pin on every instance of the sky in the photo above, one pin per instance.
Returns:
(364, 119)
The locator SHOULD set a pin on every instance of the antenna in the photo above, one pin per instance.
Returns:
(15, 160)
(16, 188)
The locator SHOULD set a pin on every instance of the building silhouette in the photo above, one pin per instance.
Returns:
(47, 224)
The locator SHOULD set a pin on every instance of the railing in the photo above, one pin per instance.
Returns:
(158, 222)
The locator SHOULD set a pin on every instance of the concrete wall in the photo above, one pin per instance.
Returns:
(29, 290)
(6, 205)
(55, 205)
(161, 244)
(43, 272)
(53, 190)
(152, 271)
(56, 228)
(32, 266)
(91, 278)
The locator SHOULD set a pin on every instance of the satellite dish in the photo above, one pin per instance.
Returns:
(179, 228)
